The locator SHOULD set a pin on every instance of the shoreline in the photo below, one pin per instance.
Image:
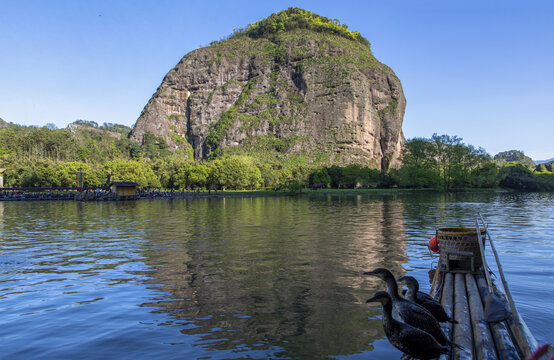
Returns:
(238, 194)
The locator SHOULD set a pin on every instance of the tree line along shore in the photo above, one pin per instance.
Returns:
(50, 157)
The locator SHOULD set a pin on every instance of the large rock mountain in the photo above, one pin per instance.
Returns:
(294, 83)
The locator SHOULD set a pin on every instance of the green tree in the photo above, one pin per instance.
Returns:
(181, 178)
(485, 175)
(443, 161)
(36, 173)
(67, 173)
(234, 172)
(193, 175)
(135, 151)
(167, 170)
(294, 186)
(133, 170)
(320, 176)
(417, 177)
(198, 175)
(335, 174)
(419, 152)
(84, 153)
(420, 168)
(445, 148)
(517, 176)
(269, 174)
(456, 161)
(352, 175)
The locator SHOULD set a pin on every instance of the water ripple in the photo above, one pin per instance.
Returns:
(241, 278)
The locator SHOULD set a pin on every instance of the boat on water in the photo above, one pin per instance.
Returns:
(488, 324)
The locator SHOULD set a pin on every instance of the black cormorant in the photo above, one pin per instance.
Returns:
(424, 299)
(411, 340)
(407, 311)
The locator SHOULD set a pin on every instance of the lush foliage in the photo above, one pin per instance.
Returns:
(350, 176)
(518, 176)
(446, 162)
(79, 142)
(67, 174)
(132, 170)
(51, 157)
(234, 173)
(295, 18)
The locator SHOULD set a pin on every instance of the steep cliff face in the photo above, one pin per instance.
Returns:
(297, 91)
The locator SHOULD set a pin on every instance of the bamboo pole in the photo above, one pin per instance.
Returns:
(484, 344)
(482, 248)
(502, 338)
(526, 348)
(462, 330)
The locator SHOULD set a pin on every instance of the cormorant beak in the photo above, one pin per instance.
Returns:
(401, 280)
(373, 273)
(379, 296)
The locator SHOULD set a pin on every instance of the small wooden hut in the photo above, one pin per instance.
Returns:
(124, 188)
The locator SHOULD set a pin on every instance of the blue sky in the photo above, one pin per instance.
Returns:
(481, 70)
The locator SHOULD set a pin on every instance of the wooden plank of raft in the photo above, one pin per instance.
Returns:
(462, 330)
(447, 302)
(484, 344)
(499, 331)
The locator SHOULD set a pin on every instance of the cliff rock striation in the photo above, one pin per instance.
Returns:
(294, 83)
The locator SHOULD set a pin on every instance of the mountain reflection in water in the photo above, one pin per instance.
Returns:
(259, 273)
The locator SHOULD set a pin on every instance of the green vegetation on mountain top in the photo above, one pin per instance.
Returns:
(296, 18)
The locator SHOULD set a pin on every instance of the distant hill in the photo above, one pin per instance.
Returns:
(513, 156)
(114, 130)
(80, 141)
(544, 161)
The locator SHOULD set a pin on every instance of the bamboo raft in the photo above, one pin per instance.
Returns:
(460, 284)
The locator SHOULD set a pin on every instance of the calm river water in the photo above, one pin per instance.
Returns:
(242, 278)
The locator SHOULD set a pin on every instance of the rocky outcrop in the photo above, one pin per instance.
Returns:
(513, 156)
(297, 91)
